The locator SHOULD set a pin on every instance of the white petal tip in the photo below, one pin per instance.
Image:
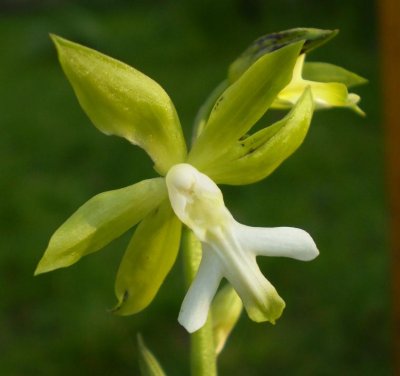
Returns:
(311, 250)
(304, 248)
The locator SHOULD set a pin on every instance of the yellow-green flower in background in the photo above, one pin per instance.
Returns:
(123, 101)
(326, 94)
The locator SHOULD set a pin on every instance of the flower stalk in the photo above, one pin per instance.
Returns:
(203, 356)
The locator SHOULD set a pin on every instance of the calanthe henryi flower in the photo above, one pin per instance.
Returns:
(122, 101)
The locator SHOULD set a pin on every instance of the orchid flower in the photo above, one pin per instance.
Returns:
(122, 101)
(329, 83)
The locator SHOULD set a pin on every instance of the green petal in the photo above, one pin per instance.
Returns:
(205, 110)
(148, 259)
(99, 221)
(149, 366)
(313, 38)
(122, 101)
(226, 309)
(325, 72)
(258, 155)
(243, 103)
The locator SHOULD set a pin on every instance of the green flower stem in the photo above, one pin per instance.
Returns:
(203, 355)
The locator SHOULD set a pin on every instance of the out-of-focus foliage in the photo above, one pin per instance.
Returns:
(52, 160)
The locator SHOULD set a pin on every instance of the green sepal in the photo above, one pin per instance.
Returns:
(122, 101)
(103, 218)
(312, 38)
(149, 365)
(225, 309)
(150, 256)
(325, 72)
(255, 157)
(243, 104)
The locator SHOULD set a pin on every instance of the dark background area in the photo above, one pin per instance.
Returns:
(52, 160)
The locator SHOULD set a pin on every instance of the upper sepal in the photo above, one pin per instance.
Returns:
(99, 221)
(122, 101)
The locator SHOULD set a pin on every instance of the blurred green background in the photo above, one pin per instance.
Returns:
(52, 160)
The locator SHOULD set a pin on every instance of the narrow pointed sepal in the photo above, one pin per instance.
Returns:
(148, 363)
(122, 101)
(99, 221)
(150, 256)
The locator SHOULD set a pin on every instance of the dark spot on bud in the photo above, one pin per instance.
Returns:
(219, 100)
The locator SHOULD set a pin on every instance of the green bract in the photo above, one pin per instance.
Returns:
(123, 101)
(149, 366)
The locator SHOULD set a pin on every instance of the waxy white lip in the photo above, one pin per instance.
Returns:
(229, 249)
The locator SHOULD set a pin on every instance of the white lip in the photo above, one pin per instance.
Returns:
(229, 249)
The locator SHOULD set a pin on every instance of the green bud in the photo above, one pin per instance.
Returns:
(312, 38)
(226, 309)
